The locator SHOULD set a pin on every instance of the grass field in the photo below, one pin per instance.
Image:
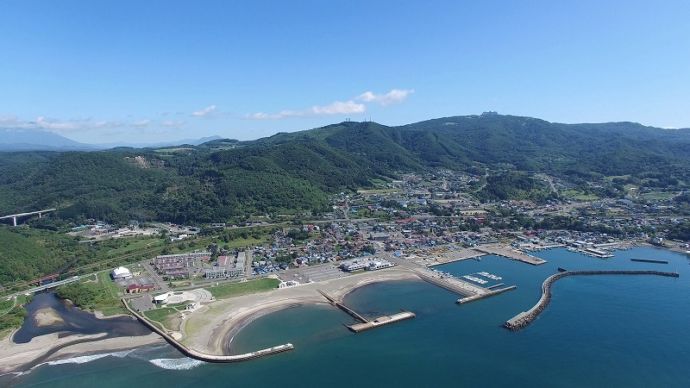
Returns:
(249, 287)
(164, 316)
(579, 195)
(658, 195)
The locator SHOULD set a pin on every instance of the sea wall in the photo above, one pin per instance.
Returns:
(207, 357)
(526, 317)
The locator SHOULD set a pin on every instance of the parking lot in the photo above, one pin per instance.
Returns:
(315, 274)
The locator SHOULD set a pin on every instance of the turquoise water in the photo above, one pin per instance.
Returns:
(598, 331)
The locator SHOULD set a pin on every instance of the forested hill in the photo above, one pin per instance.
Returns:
(287, 172)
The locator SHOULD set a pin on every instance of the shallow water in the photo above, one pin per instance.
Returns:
(598, 331)
(75, 321)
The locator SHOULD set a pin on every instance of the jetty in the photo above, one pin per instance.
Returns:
(524, 318)
(650, 261)
(364, 323)
(451, 283)
(510, 253)
(191, 353)
(492, 292)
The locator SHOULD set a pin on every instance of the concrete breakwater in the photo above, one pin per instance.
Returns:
(493, 292)
(526, 317)
(203, 356)
(366, 324)
(650, 261)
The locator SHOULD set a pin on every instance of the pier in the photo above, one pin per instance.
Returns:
(384, 320)
(510, 253)
(364, 323)
(191, 353)
(524, 318)
(492, 292)
(452, 284)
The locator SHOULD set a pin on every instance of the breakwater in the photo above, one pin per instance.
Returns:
(191, 353)
(366, 324)
(493, 292)
(650, 261)
(526, 317)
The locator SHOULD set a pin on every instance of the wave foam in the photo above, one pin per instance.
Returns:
(89, 358)
(176, 363)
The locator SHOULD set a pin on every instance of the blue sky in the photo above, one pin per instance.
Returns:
(147, 71)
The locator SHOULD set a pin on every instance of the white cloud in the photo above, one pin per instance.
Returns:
(141, 123)
(339, 107)
(84, 125)
(205, 111)
(77, 125)
(353, 106)
(334, 108)
(394, 96)
(173, 123)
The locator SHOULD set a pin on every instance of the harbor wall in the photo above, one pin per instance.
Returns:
(191, 353)
(523, 319)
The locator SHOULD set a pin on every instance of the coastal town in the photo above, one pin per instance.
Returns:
(401, 230)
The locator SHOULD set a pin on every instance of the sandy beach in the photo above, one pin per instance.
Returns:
(210, 328)
(14, 356)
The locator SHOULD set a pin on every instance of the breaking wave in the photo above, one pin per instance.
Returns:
(176, 363)
(89, 358)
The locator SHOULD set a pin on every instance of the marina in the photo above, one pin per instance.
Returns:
(316, 331)
(510, 253)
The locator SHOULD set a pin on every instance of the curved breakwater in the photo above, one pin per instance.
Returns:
(526, 317)
(191, 353)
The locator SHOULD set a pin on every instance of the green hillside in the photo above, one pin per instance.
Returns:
(289, 172)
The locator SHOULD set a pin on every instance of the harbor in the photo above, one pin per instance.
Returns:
(510, 253)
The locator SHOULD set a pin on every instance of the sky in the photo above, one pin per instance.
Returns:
(153, 71)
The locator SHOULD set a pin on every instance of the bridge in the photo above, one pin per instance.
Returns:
(18, 215)
(48, 286)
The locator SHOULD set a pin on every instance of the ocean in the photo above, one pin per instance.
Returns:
(614, 331)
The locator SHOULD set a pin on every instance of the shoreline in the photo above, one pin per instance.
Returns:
(211, 328)
(16, 358)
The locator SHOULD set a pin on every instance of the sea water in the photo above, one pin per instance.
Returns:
(603, 330)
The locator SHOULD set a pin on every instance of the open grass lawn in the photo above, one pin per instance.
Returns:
(165, 317)
(579, 195)
(228, 290)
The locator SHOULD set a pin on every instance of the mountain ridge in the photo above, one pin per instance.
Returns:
(292, 172)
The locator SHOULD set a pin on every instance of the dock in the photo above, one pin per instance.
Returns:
(455, 255)
(510, 253)
(524, 318)
(491, 293)
(451, 284)
(380, 321)
(364, 323)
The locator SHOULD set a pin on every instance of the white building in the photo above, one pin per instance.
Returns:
(121, 273)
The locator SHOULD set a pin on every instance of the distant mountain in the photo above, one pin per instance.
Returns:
(38, 140)
(193, 142)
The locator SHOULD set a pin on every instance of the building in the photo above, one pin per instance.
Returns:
(353, 265)
(378, 264)
(137, 288)
(180, 265)
(121, 273)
